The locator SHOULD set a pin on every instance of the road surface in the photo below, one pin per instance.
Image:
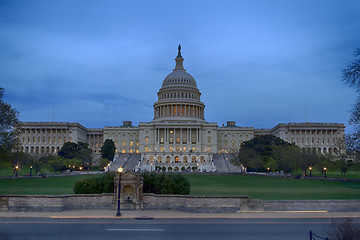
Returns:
(209, 229)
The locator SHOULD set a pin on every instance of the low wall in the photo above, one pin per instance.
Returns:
(185, 203)
(201, 203)
(56, 203)
(312, 205)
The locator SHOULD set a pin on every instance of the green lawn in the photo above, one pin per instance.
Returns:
(272, 188)
(260, 187)
(40, 186)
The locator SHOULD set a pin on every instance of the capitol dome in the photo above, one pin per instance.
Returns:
(179, 77)
(179, 97)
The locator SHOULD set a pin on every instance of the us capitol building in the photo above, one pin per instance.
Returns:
(178, 138)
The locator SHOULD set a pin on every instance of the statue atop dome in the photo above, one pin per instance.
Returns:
(179, 52)
(179, 60)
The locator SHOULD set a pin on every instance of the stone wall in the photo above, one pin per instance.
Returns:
(312, 205)
(54, 203)
(201, 203)
(172, 202)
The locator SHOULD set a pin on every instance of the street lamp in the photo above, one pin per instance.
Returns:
(324, 172)
(120, 170)
(81, 168)
(30, 170)
(151, 167)
(310, 169)
(16, 170)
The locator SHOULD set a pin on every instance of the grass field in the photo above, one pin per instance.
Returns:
(40, 186)
(260, 187)
(272, 188)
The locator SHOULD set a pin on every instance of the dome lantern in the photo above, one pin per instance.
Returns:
(179, 60)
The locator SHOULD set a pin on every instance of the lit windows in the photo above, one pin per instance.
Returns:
(123, 142)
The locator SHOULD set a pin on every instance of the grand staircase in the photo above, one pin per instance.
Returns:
(127, 161)
(223, 163)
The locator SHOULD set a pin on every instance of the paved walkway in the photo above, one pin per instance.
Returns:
(138, 214)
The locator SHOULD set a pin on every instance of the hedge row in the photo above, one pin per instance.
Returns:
(165, 183)
(95, 185)
(159, 183)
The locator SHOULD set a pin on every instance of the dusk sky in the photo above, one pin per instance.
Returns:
(258, 63)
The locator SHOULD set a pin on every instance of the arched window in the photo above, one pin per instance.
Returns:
(176, 159)
(159, 159)
(193, 159)
(185, 159)
(168, 159)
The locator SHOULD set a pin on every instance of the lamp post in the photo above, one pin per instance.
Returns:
(324, 172)
(16, 170)
(30, 170)
(120, 170)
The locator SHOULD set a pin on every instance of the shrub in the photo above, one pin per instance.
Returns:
(95, 185)
(161, 183)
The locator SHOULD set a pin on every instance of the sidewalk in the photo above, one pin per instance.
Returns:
(138, 214)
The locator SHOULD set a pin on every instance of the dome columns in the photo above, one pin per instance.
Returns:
(179, 110)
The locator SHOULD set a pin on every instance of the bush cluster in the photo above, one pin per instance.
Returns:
(161, 183)
(95, 185)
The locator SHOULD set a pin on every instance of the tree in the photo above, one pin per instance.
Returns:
(348, 157)
(108, 149)
(85, 154)
(79, 151)
(351, 77)
(69, 150)
(344, 229)
(258, 153)
(8, 127)
(308, 158)
(103, 162)
(287, 157)
(351, 74)
(37, 162)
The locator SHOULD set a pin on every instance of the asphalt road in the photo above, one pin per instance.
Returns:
(249, 229)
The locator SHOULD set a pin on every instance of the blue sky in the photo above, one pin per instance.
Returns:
(258, 63)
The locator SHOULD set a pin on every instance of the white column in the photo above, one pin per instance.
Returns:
(181, 140)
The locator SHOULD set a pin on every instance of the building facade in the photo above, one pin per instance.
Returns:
(178, 138)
